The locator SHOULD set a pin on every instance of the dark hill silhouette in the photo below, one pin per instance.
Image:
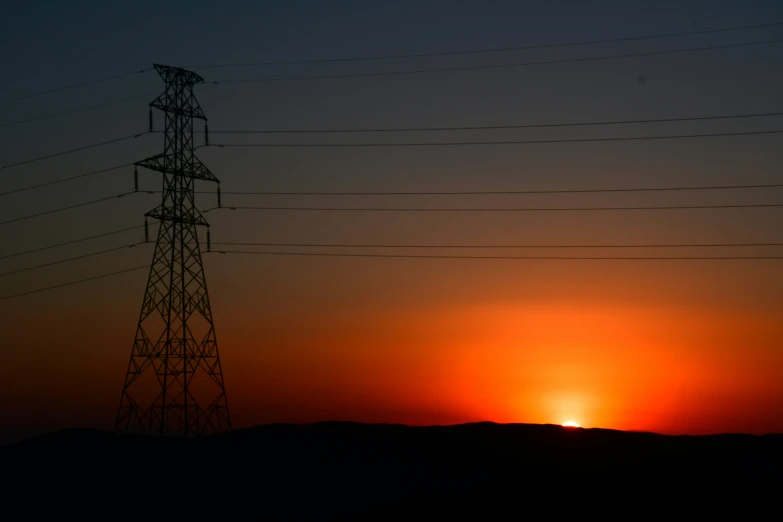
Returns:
(343, 467)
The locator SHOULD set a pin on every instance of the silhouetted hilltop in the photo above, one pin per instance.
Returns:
(348, 467)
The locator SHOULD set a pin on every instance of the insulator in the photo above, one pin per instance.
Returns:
(220, 200)
(146, 232)
(209, 242)
(135, 179)
(206, 135)
(150, 120)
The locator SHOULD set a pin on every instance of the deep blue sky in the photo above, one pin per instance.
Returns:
(54, 44)
(49, 41)
(51, 44)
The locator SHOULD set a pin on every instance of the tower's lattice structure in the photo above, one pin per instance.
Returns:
(174, 382)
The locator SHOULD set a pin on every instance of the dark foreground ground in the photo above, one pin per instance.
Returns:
(377, 472)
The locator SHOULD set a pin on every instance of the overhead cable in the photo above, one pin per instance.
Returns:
(469, 247)
(60, 261)
(71, 151)
(73, 241)
(100, 276)
(65, 180)
(73, 111)
(499, 127)
(497, 192)
(74, 86)
(508, 142)
(487, 51)
(493, 209)
(497, 66)
(413, 256)
(69, 207)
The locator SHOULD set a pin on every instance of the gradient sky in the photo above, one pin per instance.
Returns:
(667, 346)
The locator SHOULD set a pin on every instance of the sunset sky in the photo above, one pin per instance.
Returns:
(674, 346)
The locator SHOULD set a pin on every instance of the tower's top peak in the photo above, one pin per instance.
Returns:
(169, 73)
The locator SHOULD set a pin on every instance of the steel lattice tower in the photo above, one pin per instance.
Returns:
(174, 383)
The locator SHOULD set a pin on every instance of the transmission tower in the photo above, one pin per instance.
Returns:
(174, 382)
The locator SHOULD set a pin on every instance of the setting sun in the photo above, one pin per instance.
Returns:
(570, 424)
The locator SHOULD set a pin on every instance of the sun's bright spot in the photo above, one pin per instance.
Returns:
(570, 424)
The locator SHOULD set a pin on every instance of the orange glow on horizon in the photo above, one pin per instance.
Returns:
(626, 368)
(641, 368)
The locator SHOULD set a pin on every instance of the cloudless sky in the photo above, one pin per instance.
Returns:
(668, 346)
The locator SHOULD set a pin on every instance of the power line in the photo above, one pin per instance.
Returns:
(62, 209)
(497, 127)
(499, 66)
(78, 109)
(101, 171)
(493, 50)
(77, 176)
(71, 151)
(518, 209)
(334, 245)
(513, 142)
(413, 256)
(101, 276)
(80, 240)
(60, 261)
(493, 192)
(65, 180)
(74, 86)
